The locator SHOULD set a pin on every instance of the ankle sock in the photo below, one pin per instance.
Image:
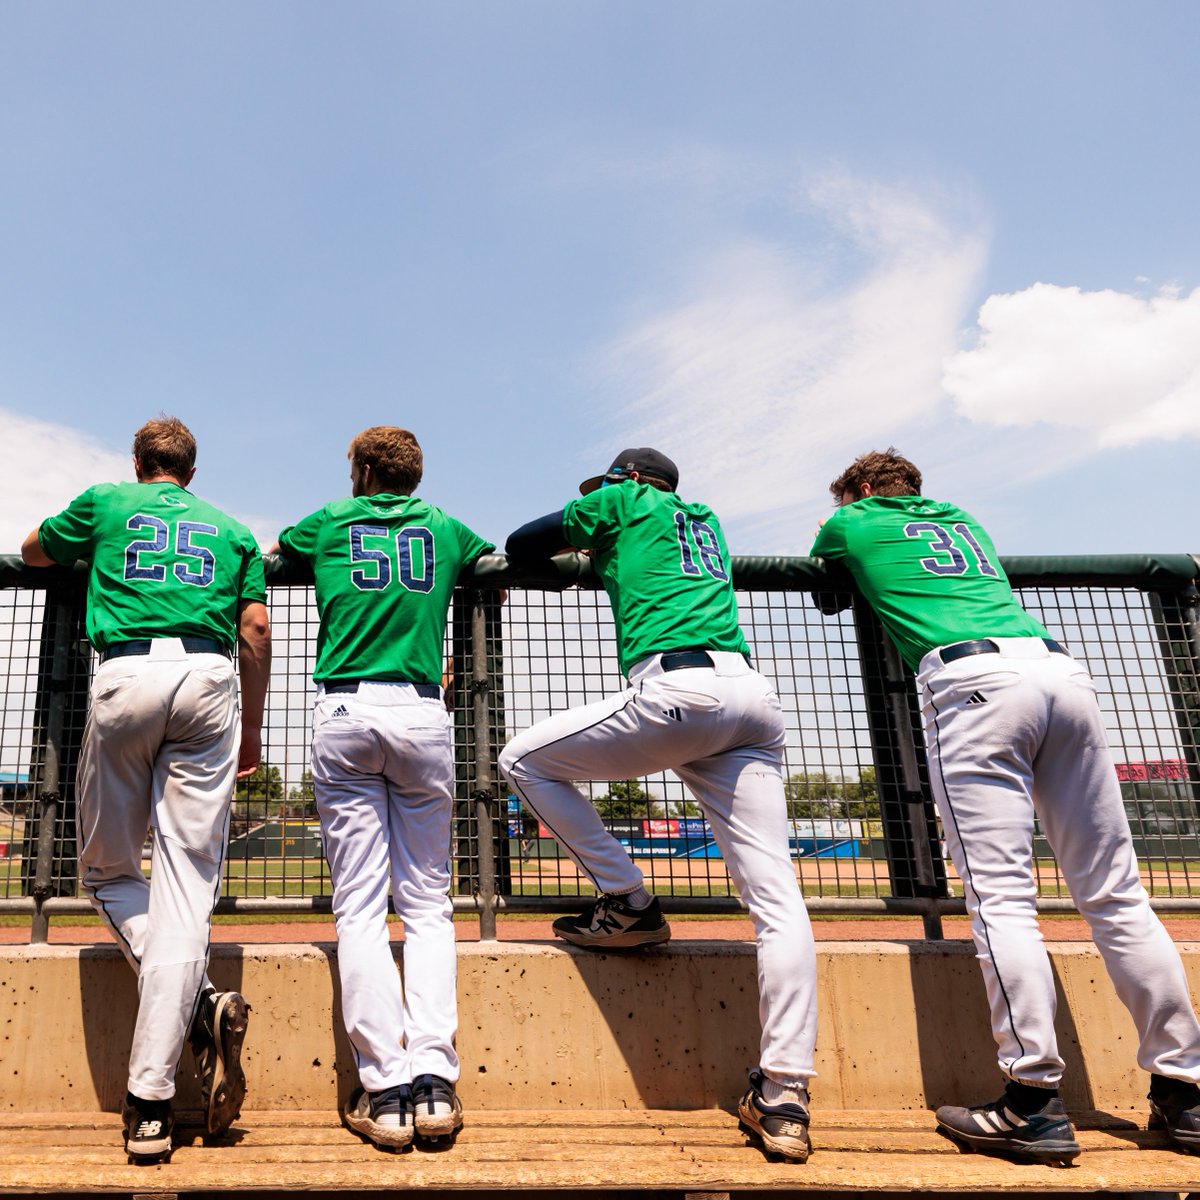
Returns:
(1025, 1099)
(782, 1093)
(638, 898)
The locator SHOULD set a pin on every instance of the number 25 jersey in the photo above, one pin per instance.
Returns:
(929, 571)
(665, 567)
(385, 568)
(164, 563)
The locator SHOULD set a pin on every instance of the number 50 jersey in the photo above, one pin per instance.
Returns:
(385, 568)
(665, 567)
(929, 571)
(164, 563)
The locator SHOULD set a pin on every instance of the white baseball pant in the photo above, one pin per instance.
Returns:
(1016, 732)
(721, 731)
(383, 773)
(159, 752)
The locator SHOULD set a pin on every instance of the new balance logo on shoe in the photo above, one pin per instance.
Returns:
(977, 698)
(340, 711)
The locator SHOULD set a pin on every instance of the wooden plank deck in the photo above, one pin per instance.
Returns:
(687, 1152)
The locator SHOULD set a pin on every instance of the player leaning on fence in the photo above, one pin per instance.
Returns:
(173, 583)
(386, 564)
(694, 705)
(1012, 729)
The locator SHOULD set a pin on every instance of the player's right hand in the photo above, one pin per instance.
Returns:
(250, 753)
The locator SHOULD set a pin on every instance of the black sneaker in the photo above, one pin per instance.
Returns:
(610, 923)
(437, 1110)
(384, 1117)
(216, 1037)
(997, 1128)
(780, 1129)
(148, 1127)
(1175, 1107)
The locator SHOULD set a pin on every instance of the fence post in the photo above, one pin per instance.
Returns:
(905, 803)
(484, 791)
(1177, 623)
(61, 693)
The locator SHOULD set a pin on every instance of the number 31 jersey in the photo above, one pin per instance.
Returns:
(665, 567)
(385, 568)
(164, 563)
(929, 571)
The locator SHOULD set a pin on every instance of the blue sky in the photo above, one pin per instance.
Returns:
(761, 236)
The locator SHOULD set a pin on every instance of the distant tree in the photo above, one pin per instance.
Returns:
(305, 790)
(265, 784)
(625, 800)
(816, 795)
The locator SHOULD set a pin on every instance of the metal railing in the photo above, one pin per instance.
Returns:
(524, 644)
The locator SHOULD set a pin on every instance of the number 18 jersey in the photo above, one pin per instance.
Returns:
(665, 567)
(164, 563)
(385, 568)
(928, 570)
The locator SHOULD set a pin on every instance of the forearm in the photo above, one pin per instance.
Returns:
(254, 663)
(537, 540)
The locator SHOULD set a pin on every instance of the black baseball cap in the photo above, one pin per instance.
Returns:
(644, 461)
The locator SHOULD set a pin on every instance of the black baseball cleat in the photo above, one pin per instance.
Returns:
(148, 1128)
(384, 1117)
(1175, 1107)
(781, 1130)
(216, 1037)
(612, 924)
(437, 1110)
(997, 1128)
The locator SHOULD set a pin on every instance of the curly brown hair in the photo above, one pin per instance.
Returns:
(888, 473)
(393, 455)
(164, 446)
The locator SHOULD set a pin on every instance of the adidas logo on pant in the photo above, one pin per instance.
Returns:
(977, 698)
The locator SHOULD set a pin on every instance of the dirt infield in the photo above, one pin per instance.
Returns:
(537, 929)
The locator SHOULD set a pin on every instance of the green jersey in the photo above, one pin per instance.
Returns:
(665, 567)
(928, 570)
(164, 563)
(385, 568)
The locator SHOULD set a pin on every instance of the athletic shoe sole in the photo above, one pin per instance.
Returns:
(380, 1135)
(230, 1018)
(1183, 1138)
(1050, 1152)
(627, 940)
(790, 1148)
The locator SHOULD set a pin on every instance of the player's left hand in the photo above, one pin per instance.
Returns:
(250, 752)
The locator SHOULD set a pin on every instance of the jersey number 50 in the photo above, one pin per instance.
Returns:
(414, 558)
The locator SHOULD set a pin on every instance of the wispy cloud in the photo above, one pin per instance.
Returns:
(1123, 368)
(42, 467)
(780, 361)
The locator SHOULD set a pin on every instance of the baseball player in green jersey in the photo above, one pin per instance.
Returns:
(1013, 729)
(174, 583)
(386, 564)
(694, 705)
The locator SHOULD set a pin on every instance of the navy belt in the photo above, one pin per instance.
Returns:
(193, 645)
(429, 691)
(677, 660)
(949, 654)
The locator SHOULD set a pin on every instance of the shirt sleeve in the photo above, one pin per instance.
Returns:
(254, 583)
(300, 540)
(831, 538)
(471, 545)
(588, 520)
(71, 534)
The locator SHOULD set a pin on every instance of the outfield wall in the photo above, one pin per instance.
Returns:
(903, 1026)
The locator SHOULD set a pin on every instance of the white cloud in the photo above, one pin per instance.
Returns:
(42, 467)
(780, 364)
(1122, 368)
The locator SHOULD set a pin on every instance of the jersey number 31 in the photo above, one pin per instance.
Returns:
(941, 543)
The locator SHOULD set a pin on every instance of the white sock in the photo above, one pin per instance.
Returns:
(781, 1093)
(638, 898)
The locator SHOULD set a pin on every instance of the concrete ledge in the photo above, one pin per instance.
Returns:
(602, 1152)
(903, 1027)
